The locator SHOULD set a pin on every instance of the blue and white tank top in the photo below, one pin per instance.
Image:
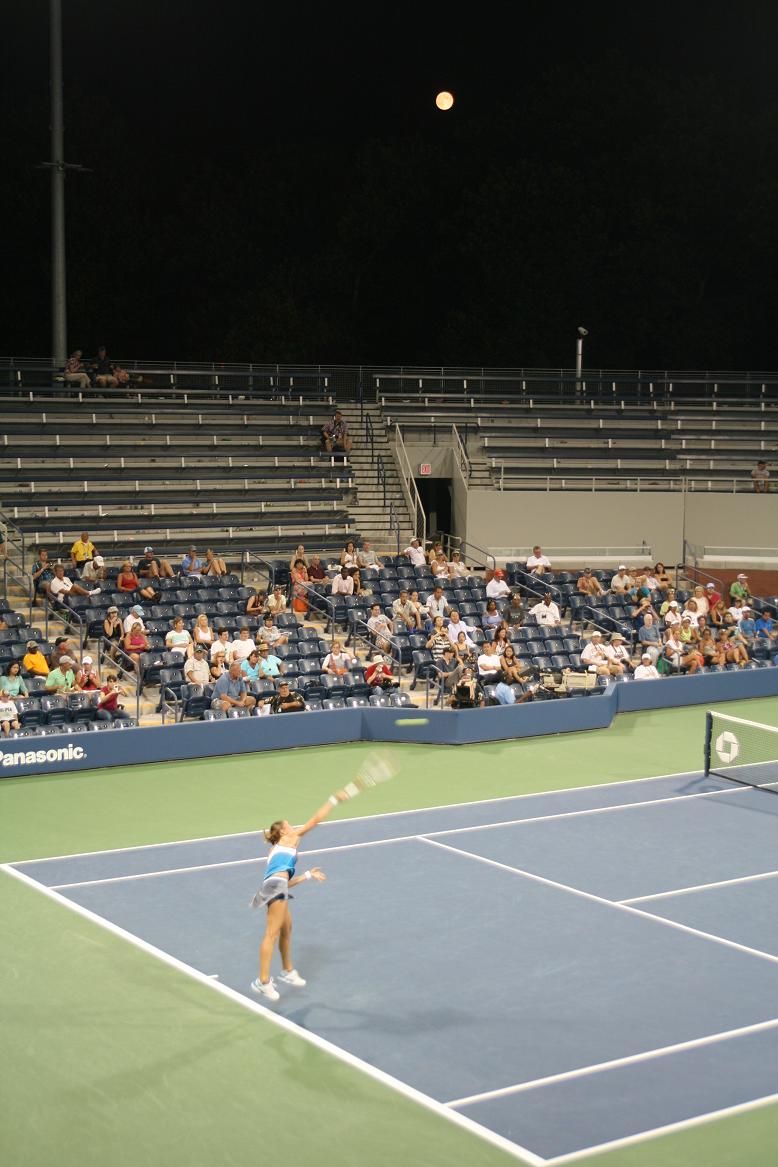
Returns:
(281, 861)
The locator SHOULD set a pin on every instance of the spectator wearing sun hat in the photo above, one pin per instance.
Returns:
(618, 654)
(739, 589)
(646, 670)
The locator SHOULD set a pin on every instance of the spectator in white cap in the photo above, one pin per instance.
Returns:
(618, 654)
(672, 615)
(415, 553)
(595, 657)
(87, 679)
(135, 616)
(747, 625)
(153, 566)
(94, 570)
(646, 670)
(622, 581)
(711, 594)
(739, 589)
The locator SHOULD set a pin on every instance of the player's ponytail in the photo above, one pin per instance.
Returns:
(274, 832)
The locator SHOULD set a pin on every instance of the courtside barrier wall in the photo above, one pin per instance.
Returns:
(84, 750)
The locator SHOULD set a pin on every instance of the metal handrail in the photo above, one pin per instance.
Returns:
(410, 490)
(126, 673)
(20, 537)
(320, 599)
(365, 638)
(23, 580)
(630, 482)
(461, 457)
(247, 558)
(178, 704)
(691, 550)
(394, 523)
(50, 613)
(457, 543)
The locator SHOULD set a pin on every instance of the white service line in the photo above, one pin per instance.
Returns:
(439, 1108)
(614, 1063)
(682, 891)
(543, 818)
(669, 1128)
(587, 895)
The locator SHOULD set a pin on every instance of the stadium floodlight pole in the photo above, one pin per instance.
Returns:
(582, 332)
(59, 326)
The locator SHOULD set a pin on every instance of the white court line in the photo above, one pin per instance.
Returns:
(587, 895)
(565, 814)
(669, 1128)
(384, 815)
(615, 1063)
(438, 1108)
(682, 891)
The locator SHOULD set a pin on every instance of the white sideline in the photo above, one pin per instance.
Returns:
(682, 891)
(615, 1063)
(439, 1108)
(587, 895)
(566, 814)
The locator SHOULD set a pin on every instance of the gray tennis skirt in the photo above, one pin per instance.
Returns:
(275, 888)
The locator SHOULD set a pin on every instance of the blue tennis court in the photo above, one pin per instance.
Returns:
(567, 970)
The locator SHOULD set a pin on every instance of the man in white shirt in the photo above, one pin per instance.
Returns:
(546, 612)
(135, 617)
(497, 588)
(595, 657)
(437, 604)
(196, 668)
(366, 556)
(379, 627)
(645, 670)
(242, 648)
(62, 586)
(276, 602)
(406, 618)
(489, 665)
(457, 625)
(621, 581)
(342, 584)
(415, 553)
(538, 563)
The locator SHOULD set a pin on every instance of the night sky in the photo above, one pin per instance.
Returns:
(274, 183)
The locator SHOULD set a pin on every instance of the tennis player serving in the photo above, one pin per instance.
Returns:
(274, 895)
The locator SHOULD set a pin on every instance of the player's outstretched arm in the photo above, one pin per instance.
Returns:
(314, 873)
(322, 812)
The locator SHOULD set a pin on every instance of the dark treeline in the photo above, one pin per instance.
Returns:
(639, 205)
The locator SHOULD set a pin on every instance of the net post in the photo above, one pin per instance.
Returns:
(708, 735)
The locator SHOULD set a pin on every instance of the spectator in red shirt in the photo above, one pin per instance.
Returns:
(379, 675)
(127, 581)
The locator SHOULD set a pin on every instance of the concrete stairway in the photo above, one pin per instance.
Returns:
(371, 510)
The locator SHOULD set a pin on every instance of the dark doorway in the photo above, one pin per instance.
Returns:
(435, 494)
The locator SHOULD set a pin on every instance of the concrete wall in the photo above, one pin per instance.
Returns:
(556, 519)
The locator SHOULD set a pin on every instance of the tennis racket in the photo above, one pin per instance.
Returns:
(377, 768)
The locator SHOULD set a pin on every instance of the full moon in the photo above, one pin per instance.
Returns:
(444, 100)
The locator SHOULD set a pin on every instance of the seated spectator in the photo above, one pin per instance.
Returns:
(622, 581)
(512, 668)
(415, 553)
(500, 639)
(271, 667)
(276, 603)
(379, 675)
(456, 568)
(286, 700)
(416, 604)
(218, 665)
(135, 642)
(108, 707)
(546, 612)
(75, 371)
(223, 644)
(449, 668)
(468, 692)
(489, 665)
(718, 614)
(640, 607)
(366, 556)
(348, 556)
(457, 625)
(649, 638)
(196, 668)
(677, 656)
(12, 684)
(379, 628)
(87, 678)
(701, 600)
(94, 571)
(667, 601)
(8, 718)
(618, 654)
(62, 647)
(60, 586)
(492, 617)
(538, 563)
(42, 572)
(242, 647)
(62, 679)
(214, 564)
(712, 595)
(760, 476)
(435, 551)
(687, 633)
(712, 653)
(733, 648)
(335, 435)
(256, 603)
(103, 371)
(734, 613)
(202, 633)
(151, 566)
(765, 628)
(33, 661)
(437, 604)
(299, 581)
(127, 581)
(299, 553)
(231, 691)
(178, 638)
(272, 635)
(466, 652)
(249, 667)
(747, 625)
(191, 565)
(662, 578)
(691, 611)
(646, 670)
(439, 567)
(82, 550)
(497, 588)
(337, 662)
(513, 613)
(739, 589)
(588, 584)
(316, 571)
(594, 656)
(672, 615)
(342, 583)
(438, 640)
(406, 616)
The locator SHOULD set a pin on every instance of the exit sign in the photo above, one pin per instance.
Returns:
(425, 469)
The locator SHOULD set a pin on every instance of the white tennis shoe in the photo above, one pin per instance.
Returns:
(269, 990)
(292, 978)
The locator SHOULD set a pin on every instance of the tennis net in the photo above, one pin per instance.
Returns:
(745, 751)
